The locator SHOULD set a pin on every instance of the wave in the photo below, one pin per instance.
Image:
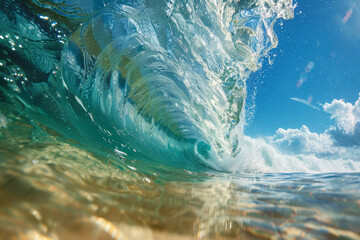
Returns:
(156, 80)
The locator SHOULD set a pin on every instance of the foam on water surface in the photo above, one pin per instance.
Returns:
(124, 120)
(164, 81)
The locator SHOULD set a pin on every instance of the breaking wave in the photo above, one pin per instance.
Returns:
(153, 80)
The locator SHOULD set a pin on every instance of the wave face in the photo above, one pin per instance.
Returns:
(148, 79)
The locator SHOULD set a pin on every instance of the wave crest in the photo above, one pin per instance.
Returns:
(160, 80)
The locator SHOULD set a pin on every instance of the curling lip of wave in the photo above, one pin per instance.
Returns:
(164, 80)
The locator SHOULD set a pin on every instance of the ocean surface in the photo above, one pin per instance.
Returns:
(124, 120)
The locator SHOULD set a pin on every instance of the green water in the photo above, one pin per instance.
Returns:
(114, 132)
(54, 188)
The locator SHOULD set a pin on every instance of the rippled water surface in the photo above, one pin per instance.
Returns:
(54, 188)
(124, 120)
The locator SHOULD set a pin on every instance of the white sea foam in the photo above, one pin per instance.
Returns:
(168, 83)
(300, 150)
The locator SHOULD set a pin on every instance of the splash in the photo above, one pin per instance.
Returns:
(157, 80)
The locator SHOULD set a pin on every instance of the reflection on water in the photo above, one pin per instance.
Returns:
(180, 97)
(52, 188)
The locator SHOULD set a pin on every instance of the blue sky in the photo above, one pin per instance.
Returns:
(317, 59)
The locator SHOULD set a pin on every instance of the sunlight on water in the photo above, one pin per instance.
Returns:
(123, 120)
(53, 188)
(164, 81)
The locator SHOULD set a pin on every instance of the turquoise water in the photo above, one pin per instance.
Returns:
(54, 188)
(124, 120)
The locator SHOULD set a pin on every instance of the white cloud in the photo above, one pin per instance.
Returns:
(302, 141)
(338, 147)
(346, 133)
(346, 115)
(300, 150)
(347, 119)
